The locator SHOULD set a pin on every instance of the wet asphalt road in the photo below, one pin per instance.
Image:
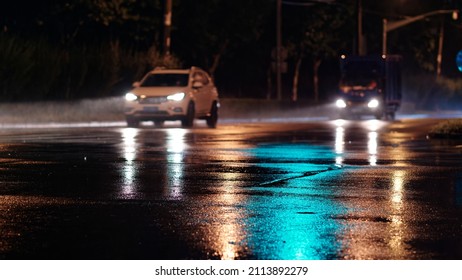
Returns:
(314, 190)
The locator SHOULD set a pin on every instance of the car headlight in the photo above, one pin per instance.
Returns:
(374, 103)
(177, 96)
(130, 97)
(340, 103)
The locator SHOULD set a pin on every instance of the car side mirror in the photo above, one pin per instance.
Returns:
(197, 84)
(136, 84)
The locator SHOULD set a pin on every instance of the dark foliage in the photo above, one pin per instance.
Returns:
(94, 48)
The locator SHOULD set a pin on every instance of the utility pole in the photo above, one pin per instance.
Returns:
(360, 41)
(278, 49)
(167, 28)
(439, 58)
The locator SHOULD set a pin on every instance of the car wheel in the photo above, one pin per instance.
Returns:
(132, 122)
(390, 116)
(159, 123)
(344, 115)
(188, 120)
(213, 118)
(378, 116)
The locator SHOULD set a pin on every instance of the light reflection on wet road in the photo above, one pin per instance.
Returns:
(322, 190)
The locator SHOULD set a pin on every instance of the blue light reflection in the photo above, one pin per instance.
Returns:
(292, 218)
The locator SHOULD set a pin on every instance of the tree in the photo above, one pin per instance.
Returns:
(317, 32)
(211, 29)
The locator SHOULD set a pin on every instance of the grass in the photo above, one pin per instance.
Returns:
(448, 128)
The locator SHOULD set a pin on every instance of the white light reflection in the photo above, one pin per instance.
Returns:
(372, 147)
(339, 122)
(373, 126)
(339, 141)
(129, 169)
(175, 161)
(339, 145)
(397, 201)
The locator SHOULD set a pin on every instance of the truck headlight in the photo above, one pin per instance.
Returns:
(340, 103)
(177, 96)
(130, 97)
(374, 103)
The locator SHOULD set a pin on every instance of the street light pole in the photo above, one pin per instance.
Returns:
(167, 27)
(392, 25)
(384, 37)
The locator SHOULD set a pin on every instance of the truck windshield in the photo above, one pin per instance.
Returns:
(166, 80)
(360, 73)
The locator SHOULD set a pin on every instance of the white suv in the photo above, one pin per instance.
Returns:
(172, 94)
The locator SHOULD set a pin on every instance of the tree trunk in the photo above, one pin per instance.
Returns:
(296, 78)
(217, 57)
(269, 83)
(316, 64)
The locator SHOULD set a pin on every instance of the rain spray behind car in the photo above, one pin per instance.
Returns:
(369, 85)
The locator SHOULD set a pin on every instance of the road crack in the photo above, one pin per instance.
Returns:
(301, 175)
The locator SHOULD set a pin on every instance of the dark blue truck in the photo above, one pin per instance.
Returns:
(369, 85)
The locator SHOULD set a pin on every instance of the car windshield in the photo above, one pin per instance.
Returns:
(360, 73)
(166, 80)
